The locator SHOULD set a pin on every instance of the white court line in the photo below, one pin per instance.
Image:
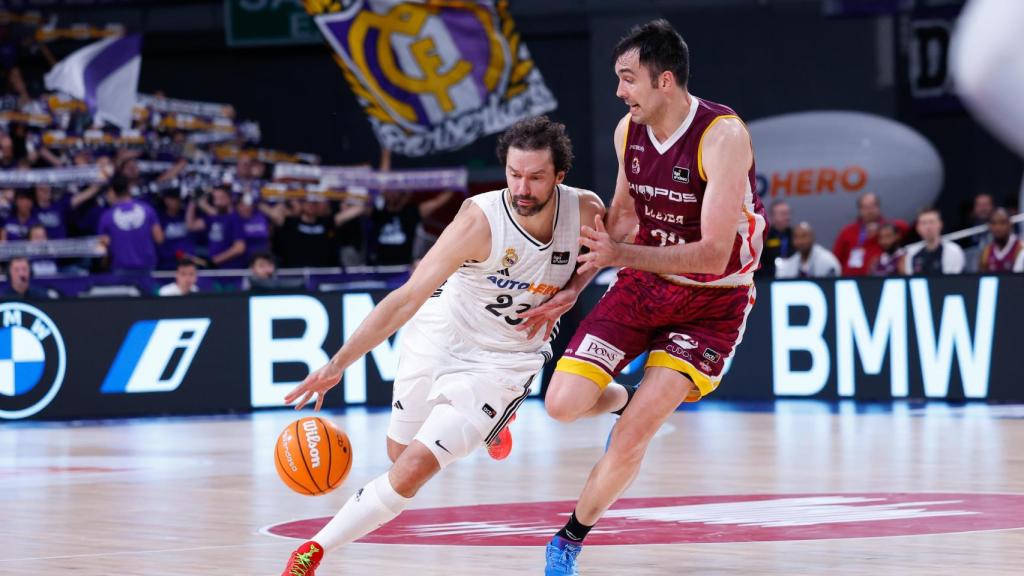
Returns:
(132, 552)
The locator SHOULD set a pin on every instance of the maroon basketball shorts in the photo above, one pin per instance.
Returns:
(690, 329)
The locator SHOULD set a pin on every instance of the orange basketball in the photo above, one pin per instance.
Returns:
(313, 456)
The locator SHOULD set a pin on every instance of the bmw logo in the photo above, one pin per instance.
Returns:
(32, 360)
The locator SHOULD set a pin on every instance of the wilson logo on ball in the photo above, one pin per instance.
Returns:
(313, 456)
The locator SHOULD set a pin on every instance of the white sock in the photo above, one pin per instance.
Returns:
(369, 508)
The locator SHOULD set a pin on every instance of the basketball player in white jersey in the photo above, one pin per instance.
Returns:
(464, 367)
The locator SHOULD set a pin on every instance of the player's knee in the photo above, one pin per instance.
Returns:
(395, 450)
(412, 470)
(561, 408)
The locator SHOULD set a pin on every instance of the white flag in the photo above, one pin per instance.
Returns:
(105, 75)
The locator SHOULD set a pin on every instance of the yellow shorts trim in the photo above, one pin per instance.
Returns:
(705, 385)
(583, 368)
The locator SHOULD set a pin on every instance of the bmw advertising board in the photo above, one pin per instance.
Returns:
(878, 338)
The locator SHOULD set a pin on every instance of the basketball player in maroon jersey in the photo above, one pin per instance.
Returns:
(686, 177)
(1002, 252)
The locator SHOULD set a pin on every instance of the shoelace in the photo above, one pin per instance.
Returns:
(303, 562)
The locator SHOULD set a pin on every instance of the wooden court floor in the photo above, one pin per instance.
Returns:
(793, 488)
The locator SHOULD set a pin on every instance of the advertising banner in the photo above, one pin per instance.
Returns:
(946, 338)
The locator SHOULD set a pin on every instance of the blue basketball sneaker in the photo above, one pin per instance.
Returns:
(561, 557)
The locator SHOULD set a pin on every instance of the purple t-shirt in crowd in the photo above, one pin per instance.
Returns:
(257, 234)
(130, 228)
(18, 230)
(222, 231)
(55, 217)
(177, 239)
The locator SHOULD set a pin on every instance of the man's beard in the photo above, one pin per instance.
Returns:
(529, 210)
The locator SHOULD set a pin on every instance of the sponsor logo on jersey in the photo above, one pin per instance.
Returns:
(705, 367)
(489, 411)
(712, 355)
(503, 272)
(534, 288)
(599, 351)
(637, 147)
(649, 193)
(559, 258)
(680, 174)
(32, 360)
(636, 165)
(510, 259)
(662, 216)
(684, 341)
(712, 519)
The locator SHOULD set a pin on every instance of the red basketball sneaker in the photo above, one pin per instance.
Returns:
(304, 560)
(501, 446)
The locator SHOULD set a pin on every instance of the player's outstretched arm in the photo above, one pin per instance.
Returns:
(727, 157)
(468, 237)
(541, 320)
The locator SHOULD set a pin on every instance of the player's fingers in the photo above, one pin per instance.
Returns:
(319, 401)
(586, 267)
(598, 223)
(589, 243)
(302, 401)
(588, 232)
(534, 328)
(295, 393)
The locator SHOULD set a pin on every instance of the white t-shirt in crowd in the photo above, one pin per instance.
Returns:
(173, 290)
(821, 263)
(953, 259)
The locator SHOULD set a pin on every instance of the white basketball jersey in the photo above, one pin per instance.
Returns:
(484, 299)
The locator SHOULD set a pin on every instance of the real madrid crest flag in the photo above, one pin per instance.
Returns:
(433, 75)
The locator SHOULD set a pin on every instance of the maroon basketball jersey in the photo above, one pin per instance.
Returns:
(667, 182)
(995, 260)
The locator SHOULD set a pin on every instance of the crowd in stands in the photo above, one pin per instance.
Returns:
(187, 189)
(874, 245)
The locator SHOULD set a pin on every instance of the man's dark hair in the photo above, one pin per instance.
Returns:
(262, 256)
(930, 210)
(120, 186)
(538, 133)
(187, 263)
(660, 48)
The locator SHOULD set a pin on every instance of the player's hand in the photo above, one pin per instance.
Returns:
(543, 318)
(603, 252)
(318, 382)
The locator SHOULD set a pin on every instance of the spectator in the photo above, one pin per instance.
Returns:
(41, 266)
(857, 243)
(19, 280)
(18, 223)
(184, 280)
(779, 242)
(178, 225)
(436, 212)
(933, 255)
(263, 276)
(982, 210)
(394, 226)
(255, 227)
(1002, 252)
(349, 224)
(224, 235)
(56, 214)
(131, 231)
(809, 260)
(307, 240)
(888, 263)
